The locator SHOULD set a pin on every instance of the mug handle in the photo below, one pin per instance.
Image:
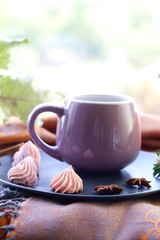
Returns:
(51, 150)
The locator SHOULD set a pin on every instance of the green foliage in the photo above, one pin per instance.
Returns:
(4, 51)
(17, 96)
(156, 167)
(156, 170)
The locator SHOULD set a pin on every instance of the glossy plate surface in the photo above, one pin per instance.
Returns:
(141, 167)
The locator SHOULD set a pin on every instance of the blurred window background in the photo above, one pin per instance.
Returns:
(52, 49)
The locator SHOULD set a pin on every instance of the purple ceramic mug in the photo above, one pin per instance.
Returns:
(99, 133)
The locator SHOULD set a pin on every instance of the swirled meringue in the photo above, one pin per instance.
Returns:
(25, 172)
(67, 181)
(27, 149)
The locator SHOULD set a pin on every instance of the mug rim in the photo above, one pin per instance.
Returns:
(103, 98)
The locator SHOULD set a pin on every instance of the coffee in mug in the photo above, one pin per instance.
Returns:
(96, 133)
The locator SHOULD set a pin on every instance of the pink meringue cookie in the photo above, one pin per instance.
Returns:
(25, 172)
(27, 149)
(67, 181)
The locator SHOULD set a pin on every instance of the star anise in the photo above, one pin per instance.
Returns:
(108, 189)
(140, 182)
